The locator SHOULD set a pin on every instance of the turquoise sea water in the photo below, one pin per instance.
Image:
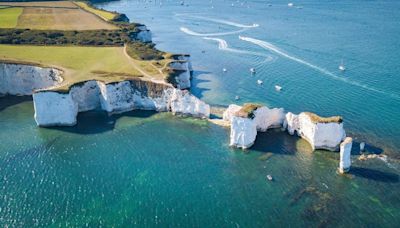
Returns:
(146, 169)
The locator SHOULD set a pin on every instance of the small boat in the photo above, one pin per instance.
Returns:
(259, 82)
(290, 4)
(252, 70)
(342, 67)
(237, 97)
(224, 70)
(269, 177)
(203, 51)
(278, 88)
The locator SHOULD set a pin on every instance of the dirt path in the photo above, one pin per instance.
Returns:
(138, 68)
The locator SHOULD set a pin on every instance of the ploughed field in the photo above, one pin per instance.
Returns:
(84, 42)
(61, 15)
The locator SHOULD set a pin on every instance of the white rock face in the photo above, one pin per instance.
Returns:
(86, 96)
(115, 98)
(17, 79)
(320, 135)
(230, 111)
(54, 109)
(144, 34)
(266, 118)
(184, 103)
(243, 132)
(291, 123)
(183, 78)
(345, 152)
(185, 58)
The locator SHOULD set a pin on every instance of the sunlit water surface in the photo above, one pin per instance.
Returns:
(148, 169)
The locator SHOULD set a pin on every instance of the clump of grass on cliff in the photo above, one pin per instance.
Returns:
(247, 111)
(144, 51)
(318, 119)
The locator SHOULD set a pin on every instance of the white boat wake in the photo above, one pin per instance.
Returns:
(268, 46)
(220, 21)
(223, 45)
(193, 33)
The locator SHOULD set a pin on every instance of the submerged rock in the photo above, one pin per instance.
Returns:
(265, 156)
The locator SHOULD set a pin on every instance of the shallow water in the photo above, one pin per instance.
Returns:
(148, 169)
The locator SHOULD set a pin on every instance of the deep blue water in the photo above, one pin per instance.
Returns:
(145, 169)
(364, 34)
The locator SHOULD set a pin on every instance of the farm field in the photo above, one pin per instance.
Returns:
(79, 64)
(51, 16)
(108, 16)
(9, 16)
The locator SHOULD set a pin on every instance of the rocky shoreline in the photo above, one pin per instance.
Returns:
(320, 132)
(60, 108)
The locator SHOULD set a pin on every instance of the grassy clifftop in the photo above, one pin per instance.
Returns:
(85, 42)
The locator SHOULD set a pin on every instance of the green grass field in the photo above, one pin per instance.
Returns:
(107, 64)
(9, 17)
(108, 16)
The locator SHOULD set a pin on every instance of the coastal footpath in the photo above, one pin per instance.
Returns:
(90, 59)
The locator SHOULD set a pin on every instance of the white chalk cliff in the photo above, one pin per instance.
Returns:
(143, 34)
(345, 152)
(243, 132)
(320, 134)
(184, 70)
(115, 98)
(20, 79)
(229, 113)
(244, 129)
(55, 108)
(266, 118)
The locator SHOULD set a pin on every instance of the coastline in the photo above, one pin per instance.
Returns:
(125, 165)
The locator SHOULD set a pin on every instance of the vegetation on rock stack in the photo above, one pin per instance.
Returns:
(247, 111)
(318, 119)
